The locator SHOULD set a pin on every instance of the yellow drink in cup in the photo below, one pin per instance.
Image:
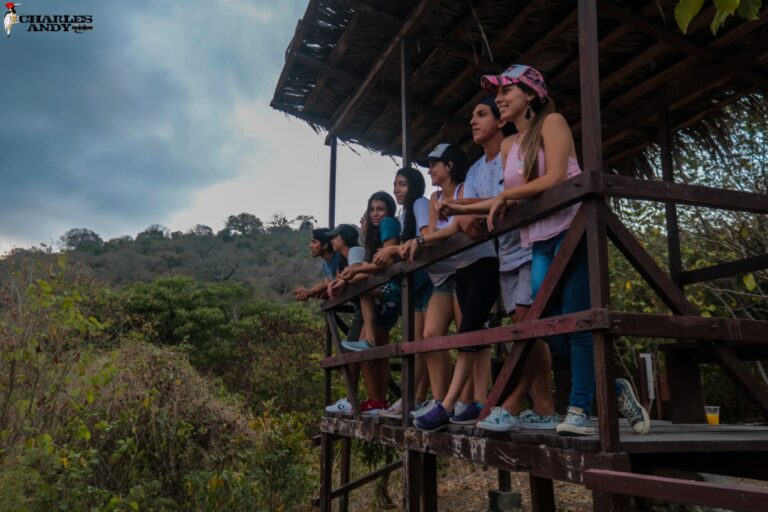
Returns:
(713, 414)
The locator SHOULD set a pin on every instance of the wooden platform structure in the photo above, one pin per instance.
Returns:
(397, 76)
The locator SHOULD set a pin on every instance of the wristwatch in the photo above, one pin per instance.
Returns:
(420, 240)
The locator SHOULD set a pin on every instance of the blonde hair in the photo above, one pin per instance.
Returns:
(532, 140)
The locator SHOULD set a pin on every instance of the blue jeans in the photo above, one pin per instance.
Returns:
(571, 296)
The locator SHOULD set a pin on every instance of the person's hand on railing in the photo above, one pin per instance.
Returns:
(301, 294)
(472, 225)
(336, 286)
(385, 256)
(408, 250)
(447, 207)
(498, 208)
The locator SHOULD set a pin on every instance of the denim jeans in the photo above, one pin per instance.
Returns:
(571, 296)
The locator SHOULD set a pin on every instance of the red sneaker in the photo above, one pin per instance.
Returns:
(372, 407)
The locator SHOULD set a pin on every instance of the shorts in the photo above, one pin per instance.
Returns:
(516, 287)
(424, 289)
(447, 287)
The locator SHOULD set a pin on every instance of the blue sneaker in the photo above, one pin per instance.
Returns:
(529, 420)
(434, 419)
(576, 423)
(467, 415)
(630, 408)
(499, 420)
(356, 346)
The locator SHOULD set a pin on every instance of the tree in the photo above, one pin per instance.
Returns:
(245, 224)
(153, 232)
(200, 230)
(306, 222)
(279, 223)
(80, 239)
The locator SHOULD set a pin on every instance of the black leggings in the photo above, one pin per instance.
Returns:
(477, 288)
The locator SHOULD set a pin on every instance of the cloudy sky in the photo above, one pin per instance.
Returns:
(160, 115)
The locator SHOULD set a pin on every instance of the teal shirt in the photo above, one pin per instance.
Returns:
(389, 228)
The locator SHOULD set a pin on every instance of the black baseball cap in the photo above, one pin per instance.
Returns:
(321, 235)
(444, 152)
(348, 233)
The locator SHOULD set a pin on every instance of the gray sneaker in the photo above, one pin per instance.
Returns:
(529, 420)
(630, 408)
(422, 408)
(499, 420)
(576, 423)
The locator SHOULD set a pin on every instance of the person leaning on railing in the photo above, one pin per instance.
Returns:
(380, 307)
(477, 285)
(541, 155)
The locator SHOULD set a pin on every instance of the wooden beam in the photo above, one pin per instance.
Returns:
(727, 496)
(723, 270)
(370, 477)
(700, 328)
(742, 376)
(349, 382)
(414, 19)
(293, 46)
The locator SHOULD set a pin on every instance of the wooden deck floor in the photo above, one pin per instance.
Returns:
(696, 447)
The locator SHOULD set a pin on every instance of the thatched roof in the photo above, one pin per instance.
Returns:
(342, 70)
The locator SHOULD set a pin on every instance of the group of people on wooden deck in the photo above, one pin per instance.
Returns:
(528, 148)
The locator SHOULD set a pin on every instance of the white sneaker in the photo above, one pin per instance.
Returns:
(423, 408)
(499, 420)
(356, 346)
(342, 406)
(395, 411)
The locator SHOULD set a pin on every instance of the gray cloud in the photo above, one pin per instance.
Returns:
(116, 128)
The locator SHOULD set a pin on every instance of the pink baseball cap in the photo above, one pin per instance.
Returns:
(516, 74)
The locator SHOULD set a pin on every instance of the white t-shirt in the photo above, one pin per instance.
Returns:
(486, 179)
(356, 255)
(420, 211)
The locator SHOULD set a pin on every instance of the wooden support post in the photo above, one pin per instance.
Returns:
(505, 480)
(332, 186)
(542, 494)
(326, 472)
(429, 484)
(667, 170)
(412, 473)
(346, 455)
(327, 375)
(346, 372)
(599, 290)
(405, 101)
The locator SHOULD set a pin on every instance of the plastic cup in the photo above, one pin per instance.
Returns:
(713, 414)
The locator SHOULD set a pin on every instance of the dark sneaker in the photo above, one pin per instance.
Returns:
(467, 416)
(576, 423)
(435, 419)
(630, 408)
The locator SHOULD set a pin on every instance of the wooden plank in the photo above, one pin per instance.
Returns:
(691, 327)
(417, 15)
(370, 477)
(742, 376)
(694, 195)
(723, 270)
(728, 496)
(564, 194)
(504, 453)
(551, 326)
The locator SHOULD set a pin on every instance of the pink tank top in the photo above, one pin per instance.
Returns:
(552, 225)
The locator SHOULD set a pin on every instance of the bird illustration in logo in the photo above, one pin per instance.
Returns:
(10, 18)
